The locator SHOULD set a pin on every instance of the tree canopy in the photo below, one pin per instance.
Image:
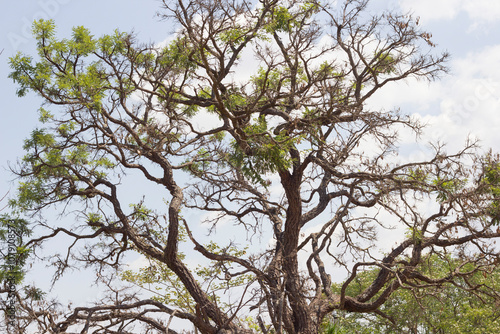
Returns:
(288, 152)
(463, 306)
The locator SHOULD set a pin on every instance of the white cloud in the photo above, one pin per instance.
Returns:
(205, 121)
(137, 263)
(479, 10)
(419, 93)
(469, 101)
(486, 10)
(432, 9)
(464, 104)
(483, 63)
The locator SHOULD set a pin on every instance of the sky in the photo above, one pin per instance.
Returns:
(465, 102)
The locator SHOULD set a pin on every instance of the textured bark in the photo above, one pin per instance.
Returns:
(301, 314)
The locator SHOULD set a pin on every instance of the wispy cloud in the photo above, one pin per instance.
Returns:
(478, 11)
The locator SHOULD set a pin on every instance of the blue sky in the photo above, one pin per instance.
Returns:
(465, 102)
(19, 115)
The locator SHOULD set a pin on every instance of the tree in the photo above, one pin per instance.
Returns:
(13, 255)
(292, 152)
(462, 306)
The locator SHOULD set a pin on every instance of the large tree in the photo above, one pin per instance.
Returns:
(289, 152)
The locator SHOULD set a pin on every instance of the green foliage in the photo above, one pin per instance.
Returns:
(34, 293)
(233, 36)
(13, 231)
(491, 183)
(326, 71)
(233, 100)
(383, 64)
(45, 115)
(83, 42)
(447, 186)
(219, 136)
(268, 153)
(163, 283)
(270, 80)
(213, 275)
(442, 186)
(64, 54)
(284, 19)
(141, 212)
(418, 175)
(199, 163)
(112, 45)
(179, 55)
(443, 309)
(47, 161)
(29, 194)
(358, 284)
(156, 277)
(43, 30)
(39, 139)
(94, 218)
(167, 288)
(415, 234)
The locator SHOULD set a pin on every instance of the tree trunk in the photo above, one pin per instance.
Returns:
(301, 314)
